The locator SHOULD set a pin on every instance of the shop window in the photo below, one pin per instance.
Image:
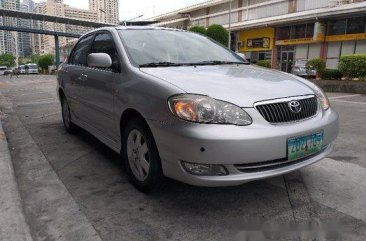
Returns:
(337, 27)
(355, 25)
(299, 31)
(283, 33)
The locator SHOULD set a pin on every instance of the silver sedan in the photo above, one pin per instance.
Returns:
(301, 69)
(177, 104)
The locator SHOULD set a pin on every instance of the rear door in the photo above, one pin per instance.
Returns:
(99, 88)
(74, 76)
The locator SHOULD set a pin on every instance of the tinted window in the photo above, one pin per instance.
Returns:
(309, 30)
(103, 43)
(355, 25)
(299, 31)
(283, 33)
(81, 51)
(337, 27)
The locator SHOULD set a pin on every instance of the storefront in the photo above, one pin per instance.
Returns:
(302, 41)
(283, 45)
(344, 37)
(257, 44)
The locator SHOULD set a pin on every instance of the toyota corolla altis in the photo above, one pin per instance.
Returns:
(177, 104)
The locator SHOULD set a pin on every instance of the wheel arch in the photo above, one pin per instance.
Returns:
(126, 116)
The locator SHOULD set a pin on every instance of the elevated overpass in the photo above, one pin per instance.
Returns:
(32, 17)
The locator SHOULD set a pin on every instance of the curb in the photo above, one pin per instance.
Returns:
(12, 219)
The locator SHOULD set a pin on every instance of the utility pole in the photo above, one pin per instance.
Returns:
(16, 49)
(229, 44)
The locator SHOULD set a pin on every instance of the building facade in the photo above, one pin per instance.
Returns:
(43, 44)
(25, 39)
(107, 10)
(8, 40)
(282, 31)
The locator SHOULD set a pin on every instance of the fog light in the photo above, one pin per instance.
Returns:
(204, 169)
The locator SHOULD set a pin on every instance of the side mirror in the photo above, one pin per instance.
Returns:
(241, 55)
(99, 60)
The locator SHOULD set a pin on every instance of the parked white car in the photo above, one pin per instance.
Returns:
(2, 69)
(21, 69)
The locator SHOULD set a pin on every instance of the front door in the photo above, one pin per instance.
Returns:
(75, 76)
(99, 89)
(287, 58)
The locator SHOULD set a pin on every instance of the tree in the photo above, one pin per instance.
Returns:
(45, 61)
(318, 64)
(34, 58)
(264, 63)
(218, 33)
(198, 29)
(7, 60)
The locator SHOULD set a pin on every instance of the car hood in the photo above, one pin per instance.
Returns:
(242, 85)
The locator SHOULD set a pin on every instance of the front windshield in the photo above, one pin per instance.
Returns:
(301, 63)
(32, 66)
(147, 46)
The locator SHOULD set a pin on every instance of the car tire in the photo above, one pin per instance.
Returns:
(141, 156)
(70, 127)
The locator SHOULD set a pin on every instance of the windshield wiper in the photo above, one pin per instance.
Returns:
(216, 62)
(159, 64)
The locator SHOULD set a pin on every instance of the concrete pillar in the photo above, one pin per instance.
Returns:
(57, 51)
(240, 13)
(207, 19)
(274, 51)
(324, 50)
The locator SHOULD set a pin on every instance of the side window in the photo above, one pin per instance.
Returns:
(81, 51)
(103, 43)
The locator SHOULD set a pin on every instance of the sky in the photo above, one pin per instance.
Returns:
(133, 8)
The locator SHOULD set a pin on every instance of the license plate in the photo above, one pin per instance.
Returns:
(303, 146)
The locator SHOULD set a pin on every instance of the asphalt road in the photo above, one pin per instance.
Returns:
(75, 188)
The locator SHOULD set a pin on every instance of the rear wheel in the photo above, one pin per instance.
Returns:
(66, 117)
(141, 157)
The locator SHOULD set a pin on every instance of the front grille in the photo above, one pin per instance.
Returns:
(280, 112)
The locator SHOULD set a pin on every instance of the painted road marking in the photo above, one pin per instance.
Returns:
(343, 96)
(350, 102)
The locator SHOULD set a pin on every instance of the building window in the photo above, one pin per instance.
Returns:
(283, 33)
(355, 25)
(309, 30)
(295, 32)
(299, 31)
(337, 27)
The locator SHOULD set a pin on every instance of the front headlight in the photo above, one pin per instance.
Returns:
(324, 101)
(203, 109)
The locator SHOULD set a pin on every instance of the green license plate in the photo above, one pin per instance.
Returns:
(303, 146)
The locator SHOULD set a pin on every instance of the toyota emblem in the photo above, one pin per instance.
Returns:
(294, 106)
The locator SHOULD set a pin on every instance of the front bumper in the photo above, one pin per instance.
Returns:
(231, 145)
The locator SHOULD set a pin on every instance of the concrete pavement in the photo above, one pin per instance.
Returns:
(13, 225)
(75, 183)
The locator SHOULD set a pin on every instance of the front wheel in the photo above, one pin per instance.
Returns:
(141, 157)
(66, 117)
